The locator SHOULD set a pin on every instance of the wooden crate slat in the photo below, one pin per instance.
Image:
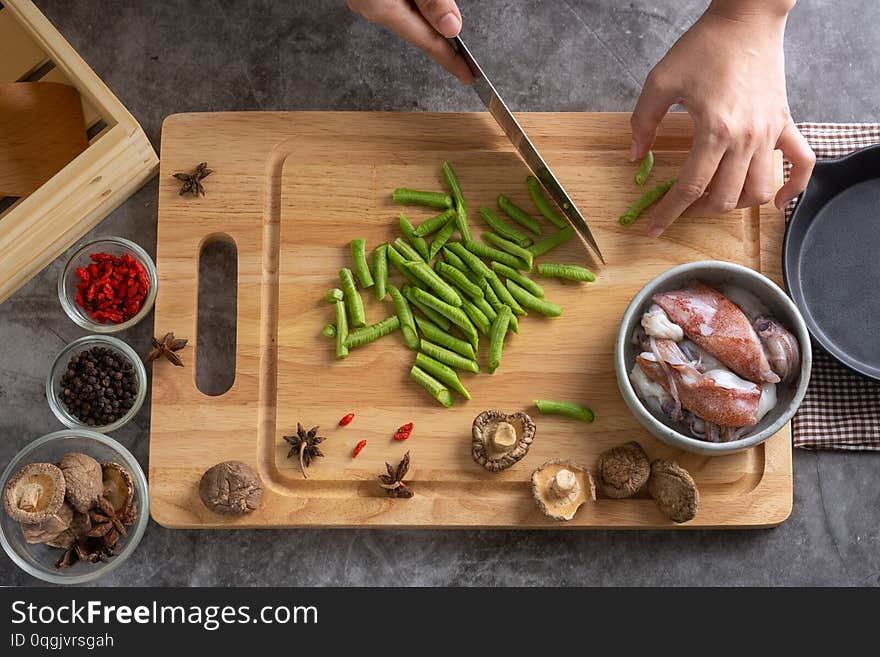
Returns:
(19, 53)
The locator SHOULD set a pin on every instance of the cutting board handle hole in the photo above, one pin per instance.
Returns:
(217, 315)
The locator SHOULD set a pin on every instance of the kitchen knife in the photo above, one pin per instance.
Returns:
(493, 102)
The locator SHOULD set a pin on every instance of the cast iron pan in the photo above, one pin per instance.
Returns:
(831, 259)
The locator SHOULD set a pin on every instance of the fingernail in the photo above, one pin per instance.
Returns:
(633, 151)
(449, 25)
(654, 231)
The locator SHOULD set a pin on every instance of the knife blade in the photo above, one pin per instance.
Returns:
(527, 151)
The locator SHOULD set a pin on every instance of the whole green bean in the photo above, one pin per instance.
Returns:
(543, 204)
(514, 275)
(497, 305)
(519, 215)
(644, 169)
(570, 409)
(476, 316)
(461, 220)
(472, 261)
(329, 330)
(645, 201)
(436, 388)
(455, 315)
(550, 243)
(512, 248)
(430, 313)
(416, 197)
(404, 314)
(450, 358)
(430, 278)
(419, 245)
(380, 270)
(441, 238)
(335, 295)
(434, 223)
(442, 373)
(504, 295)
(396, 259)
(491, 253)
(503, 228)
(532, 302)
(497, 333)
(341, 330)
(571, 272)
(359, 256)
(436, 334)
(459, 280)
(362, 336)
(353, 299)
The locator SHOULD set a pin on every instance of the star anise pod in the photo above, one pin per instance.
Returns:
(166, 347)
(192, 181)
(305, 443)
(393, 481)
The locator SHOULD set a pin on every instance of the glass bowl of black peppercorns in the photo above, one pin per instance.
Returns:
(97, 382)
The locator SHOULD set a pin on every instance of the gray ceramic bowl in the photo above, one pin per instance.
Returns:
(714, 273)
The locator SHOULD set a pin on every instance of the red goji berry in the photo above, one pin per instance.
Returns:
(358, 448)
(346, 420)
(112, 288)
(404, 432)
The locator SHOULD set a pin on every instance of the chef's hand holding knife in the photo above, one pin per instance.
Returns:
(727, 71)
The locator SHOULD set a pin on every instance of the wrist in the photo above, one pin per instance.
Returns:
(751, 10)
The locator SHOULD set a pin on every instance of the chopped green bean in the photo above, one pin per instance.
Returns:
(476, 316)
(430, 278)
(404, 314)
(504, 295)
(450, 358)
(532, 302)
(419, 245)
(472, 261)
(519, 215)
(543, 204)
(497, 333)
(335, 295)
(442, 373)
(550, 243)
(570, 409)
(644, 169)
(441, 238)
(362, 336)
(514, 275)
(461, 220)
(503, 228)
(380, 270)
(571, 272)
(397, 259)
(359, 256)
(459, 280)
(406, 250)
(497, 305)
(436, 334)
(430, 313)
(491, 253)
(417, 197)
(645, 201)
(438, 390)
(341, 330)
(329, 331)
(434, 223)
(353, 298)
(455, 315)
(512, 248)
(486, 309)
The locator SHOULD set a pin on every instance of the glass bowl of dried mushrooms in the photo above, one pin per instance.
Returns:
(75, 506)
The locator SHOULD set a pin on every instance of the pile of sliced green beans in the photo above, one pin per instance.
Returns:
(454, 291)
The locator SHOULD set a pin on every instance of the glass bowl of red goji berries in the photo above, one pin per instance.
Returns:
(108, 285)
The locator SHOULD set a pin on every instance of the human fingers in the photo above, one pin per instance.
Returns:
(796, 149)
(723, 193)
(652, 105)
(443, 15)
(760, 181)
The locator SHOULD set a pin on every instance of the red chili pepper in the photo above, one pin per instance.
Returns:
(404, 432)
(112, 288)
(346, 420)
(358, 448)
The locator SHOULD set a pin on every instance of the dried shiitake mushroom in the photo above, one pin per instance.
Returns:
(118, 486)
(231, 488)
(561, 487)
(35, 494)
(54, 531)
(85, 480)
(623, 470)
(500, 439)
(674, 489)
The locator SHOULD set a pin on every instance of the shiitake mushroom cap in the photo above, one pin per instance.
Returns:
(35, 494)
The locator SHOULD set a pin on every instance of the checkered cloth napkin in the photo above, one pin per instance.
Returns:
(841, 409)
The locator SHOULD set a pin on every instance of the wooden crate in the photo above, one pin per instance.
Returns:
(119, 159)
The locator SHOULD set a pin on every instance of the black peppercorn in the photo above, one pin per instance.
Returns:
(98, 387)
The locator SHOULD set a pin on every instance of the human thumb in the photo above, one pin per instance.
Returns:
(651, 107)
(443, 15)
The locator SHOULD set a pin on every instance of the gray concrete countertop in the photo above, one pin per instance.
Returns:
(206, 55)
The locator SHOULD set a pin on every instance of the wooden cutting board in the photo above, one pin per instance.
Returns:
(290, 190)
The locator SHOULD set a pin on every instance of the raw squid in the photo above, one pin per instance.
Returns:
(717, 325)
(782, 348)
